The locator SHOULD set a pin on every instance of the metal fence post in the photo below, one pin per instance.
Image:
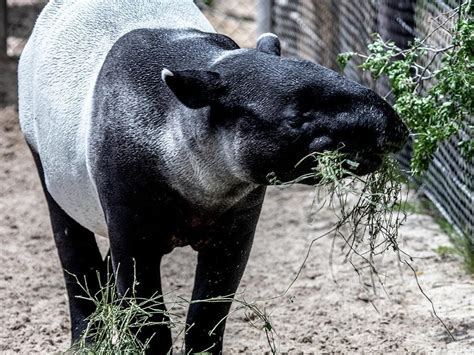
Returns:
(3, 28)
(264, 16)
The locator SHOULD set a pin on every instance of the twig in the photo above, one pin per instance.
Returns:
(429, 299)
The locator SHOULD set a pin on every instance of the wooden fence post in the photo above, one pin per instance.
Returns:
(3, 28)
(264, 16)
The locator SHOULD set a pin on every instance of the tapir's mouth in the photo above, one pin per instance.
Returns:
(365, 163)
(360, 163)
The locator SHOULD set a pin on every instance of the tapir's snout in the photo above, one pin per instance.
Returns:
(356, 121)
(363, 122)
(396, 132)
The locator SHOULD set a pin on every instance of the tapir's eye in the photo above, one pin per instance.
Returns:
(299, 119)
(295, 121)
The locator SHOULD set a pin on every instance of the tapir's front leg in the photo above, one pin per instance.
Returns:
(132, 206)
(219, 270)
(136, 257)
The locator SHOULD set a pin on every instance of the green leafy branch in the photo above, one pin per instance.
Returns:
(433, 88)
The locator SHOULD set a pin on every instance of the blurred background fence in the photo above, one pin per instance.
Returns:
(319, 30)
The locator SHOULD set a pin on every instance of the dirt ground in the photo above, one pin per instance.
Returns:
(326, 310)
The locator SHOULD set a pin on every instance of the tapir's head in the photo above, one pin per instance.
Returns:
(270, 112)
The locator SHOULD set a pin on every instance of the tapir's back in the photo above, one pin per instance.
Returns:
(57, 73)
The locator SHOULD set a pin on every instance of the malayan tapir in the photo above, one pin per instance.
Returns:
(149, 128)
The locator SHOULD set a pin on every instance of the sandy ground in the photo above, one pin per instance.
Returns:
(326, 310)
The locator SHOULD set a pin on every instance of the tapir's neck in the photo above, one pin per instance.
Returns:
(191, 157)
(204, 160)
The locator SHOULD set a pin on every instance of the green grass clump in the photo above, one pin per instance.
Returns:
(444, 251)
(374, 212)
(113, 326)
(368, 209)
(462, 246)
(465, 248)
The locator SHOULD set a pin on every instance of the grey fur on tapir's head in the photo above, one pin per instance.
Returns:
(278, 110)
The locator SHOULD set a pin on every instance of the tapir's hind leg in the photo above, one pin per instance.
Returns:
(79, 256)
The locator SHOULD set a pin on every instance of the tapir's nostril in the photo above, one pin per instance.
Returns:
(395, 137)
(396, 132)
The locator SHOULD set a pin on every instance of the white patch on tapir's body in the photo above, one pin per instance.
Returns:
(227, 54)
(57, 73)
(209, 178)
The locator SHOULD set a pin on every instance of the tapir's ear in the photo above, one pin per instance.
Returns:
(194, 88)
(269, 43)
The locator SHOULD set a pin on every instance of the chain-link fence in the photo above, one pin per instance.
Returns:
(236, 19)
(321, 29)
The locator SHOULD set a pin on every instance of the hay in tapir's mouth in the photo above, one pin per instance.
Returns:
(368, 208)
